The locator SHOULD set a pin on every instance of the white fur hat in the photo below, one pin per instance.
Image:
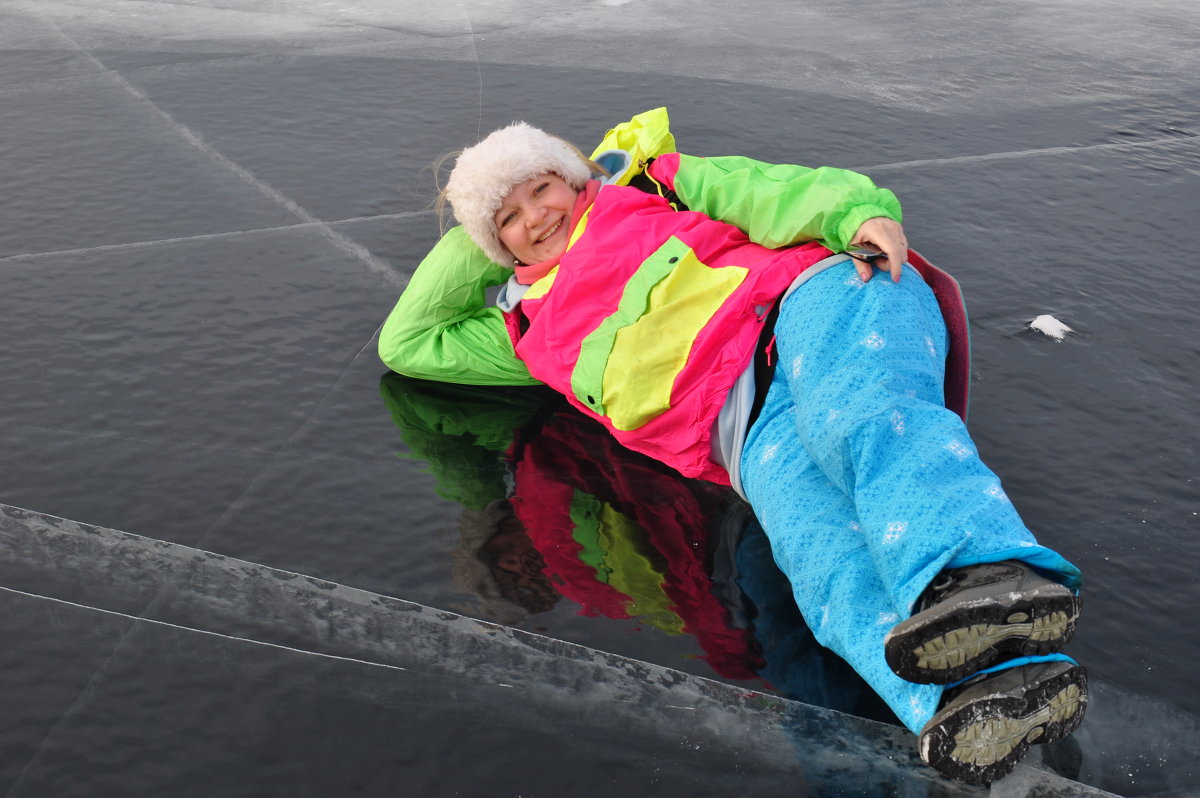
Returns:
(484, 174)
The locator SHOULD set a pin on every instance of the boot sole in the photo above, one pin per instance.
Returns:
(968, 638)
(985, 739)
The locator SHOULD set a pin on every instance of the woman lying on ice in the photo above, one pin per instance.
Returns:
(697, 308)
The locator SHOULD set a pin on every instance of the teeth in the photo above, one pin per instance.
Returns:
(550, 232)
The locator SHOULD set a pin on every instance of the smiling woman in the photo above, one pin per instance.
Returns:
(658, 299)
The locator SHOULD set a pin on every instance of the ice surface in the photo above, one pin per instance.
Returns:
(156, 588)
(215, 203)
(929, 55)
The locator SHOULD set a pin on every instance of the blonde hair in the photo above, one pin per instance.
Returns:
(440, 200)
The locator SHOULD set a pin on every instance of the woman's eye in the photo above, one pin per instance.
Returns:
(538, 190)
(507, 219)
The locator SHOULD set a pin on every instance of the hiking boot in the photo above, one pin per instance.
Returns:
(987, 725)
(971, 618)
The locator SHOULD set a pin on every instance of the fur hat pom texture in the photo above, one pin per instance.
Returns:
(484, 174)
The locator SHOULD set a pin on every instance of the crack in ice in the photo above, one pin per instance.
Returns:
(1043, 151)
(352, 248)
(228, 234)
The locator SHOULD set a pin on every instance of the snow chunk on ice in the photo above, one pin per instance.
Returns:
(1048, 325)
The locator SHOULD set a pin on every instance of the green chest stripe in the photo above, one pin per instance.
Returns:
(627, 366)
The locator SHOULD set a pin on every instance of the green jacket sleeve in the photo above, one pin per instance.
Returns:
(778, 205)
(442, 329)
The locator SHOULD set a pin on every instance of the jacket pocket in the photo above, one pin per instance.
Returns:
(627, 366)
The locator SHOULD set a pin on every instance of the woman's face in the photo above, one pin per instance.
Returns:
(534, 218)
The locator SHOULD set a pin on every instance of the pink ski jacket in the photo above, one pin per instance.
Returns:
(652, 314)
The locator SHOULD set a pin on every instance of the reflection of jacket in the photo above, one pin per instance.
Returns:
(624, 537)
(620, 535)
(653, 314)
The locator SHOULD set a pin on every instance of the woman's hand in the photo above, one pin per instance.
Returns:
(887, 236)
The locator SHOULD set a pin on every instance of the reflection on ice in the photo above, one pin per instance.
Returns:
(555, 511)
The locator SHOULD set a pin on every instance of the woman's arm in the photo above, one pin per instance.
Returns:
(441, 329)
(777, 205)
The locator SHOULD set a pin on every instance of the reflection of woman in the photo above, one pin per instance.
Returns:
(497, 562)
(581, 517)
(464, 435)
(641, 291)
(518, 566)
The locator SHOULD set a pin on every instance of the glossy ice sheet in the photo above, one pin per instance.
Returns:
(208, 208)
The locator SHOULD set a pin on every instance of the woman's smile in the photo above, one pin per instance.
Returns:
(551, 231)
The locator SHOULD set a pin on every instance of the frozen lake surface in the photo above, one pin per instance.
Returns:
(210, 207)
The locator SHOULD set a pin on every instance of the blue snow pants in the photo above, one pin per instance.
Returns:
(866, 485)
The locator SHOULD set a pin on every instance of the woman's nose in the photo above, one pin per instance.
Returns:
(533, 214)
